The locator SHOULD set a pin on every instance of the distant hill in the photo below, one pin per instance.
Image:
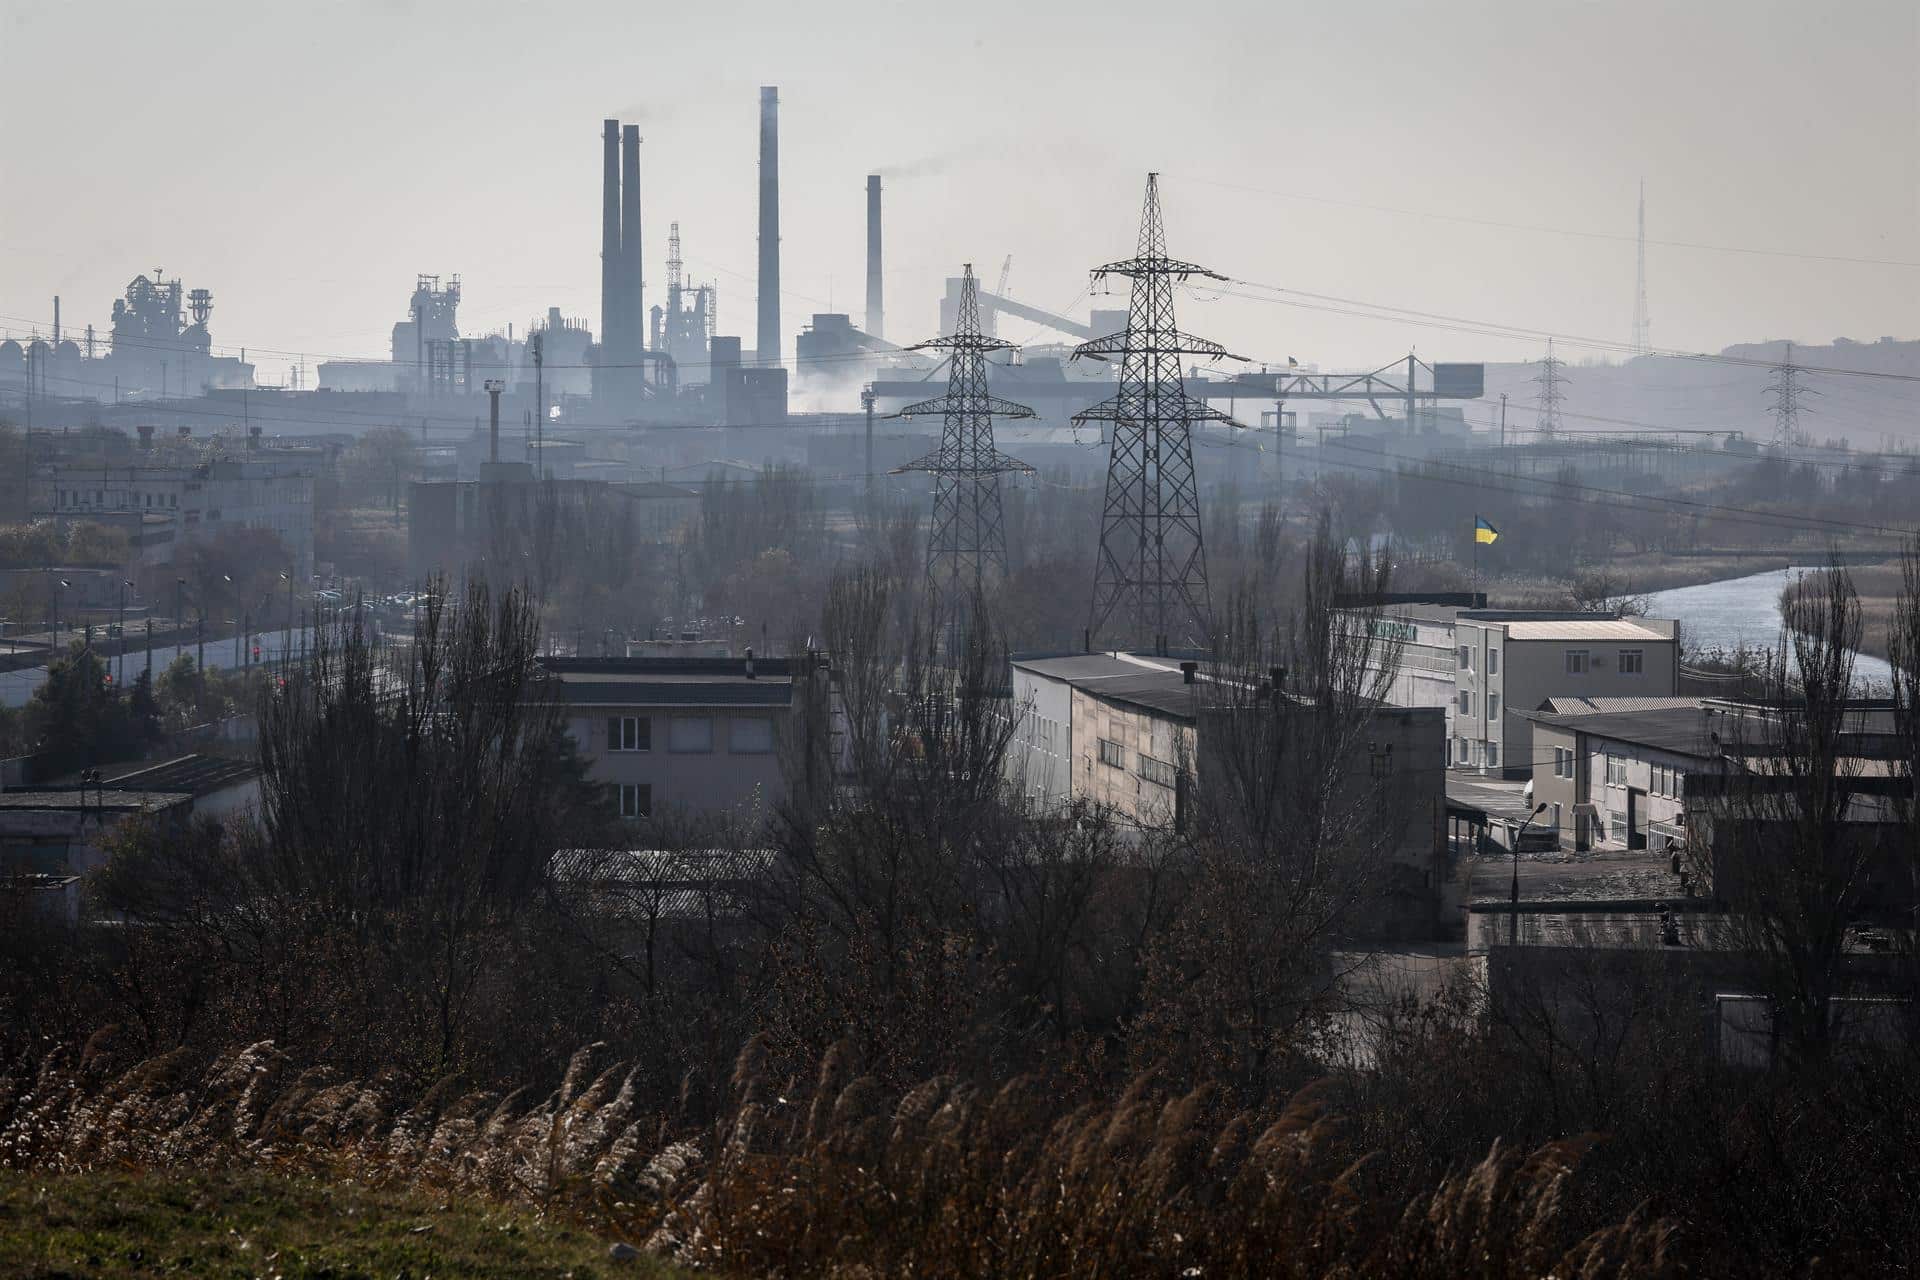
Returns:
(1673, 393)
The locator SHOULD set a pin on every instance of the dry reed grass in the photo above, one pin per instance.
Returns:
(838, 1176)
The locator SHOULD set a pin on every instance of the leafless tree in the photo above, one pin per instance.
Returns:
(1795, 838)
(1291, 832)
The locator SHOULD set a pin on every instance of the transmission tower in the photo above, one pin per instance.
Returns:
(1783, 395)
(967, 538)
(1151, 575)
(1642, 324)
(1550, 380)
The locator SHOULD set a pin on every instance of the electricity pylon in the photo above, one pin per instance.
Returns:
(1150, 580)
(1783, 394)
(1550, 381)
(967, 541)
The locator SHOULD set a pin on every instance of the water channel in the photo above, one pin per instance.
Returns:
(1736, 611)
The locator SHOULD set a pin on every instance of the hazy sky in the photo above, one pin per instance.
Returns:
(305, 161)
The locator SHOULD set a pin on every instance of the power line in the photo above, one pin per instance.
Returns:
(1556, 231)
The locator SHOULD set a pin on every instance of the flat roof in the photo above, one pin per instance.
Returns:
(197, 774)
(1682, 729)
(1571, 629)
(108, 800)
(1118, 679)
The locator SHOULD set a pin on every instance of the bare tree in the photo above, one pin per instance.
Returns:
(1291, 832)
(1796, 833)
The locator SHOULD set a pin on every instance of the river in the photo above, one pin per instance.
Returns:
(1736, 611)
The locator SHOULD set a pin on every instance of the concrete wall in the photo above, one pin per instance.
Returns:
(719, 780)
(1137, 789)
(1040, 758)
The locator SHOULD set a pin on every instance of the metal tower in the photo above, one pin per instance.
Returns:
(1642, 324)
(1784, 393)
(1150, 580)
(1550, 380)
(967, 536)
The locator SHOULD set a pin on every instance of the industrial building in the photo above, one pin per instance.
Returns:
(1129, 734)
(159, 347)
(1487, 668)
(166, 508)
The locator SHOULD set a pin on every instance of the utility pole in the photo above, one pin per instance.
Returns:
(1550, 380)
(1503, 419)
(967, 538)
(867, 397)
(540, 403)
(1152, 567)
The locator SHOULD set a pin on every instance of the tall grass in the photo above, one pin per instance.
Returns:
(838, 1176)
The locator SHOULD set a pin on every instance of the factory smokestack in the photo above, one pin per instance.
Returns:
(769, 348)
(876, 311)
(633, 329)
(610, 242)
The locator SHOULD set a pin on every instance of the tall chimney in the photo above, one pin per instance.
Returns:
(633, 329)
(610, 242)
(56, 323)
(876, 312)
(769, 349)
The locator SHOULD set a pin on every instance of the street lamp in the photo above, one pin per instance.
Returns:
(61, 584)
(120, 621)
(1513, 914)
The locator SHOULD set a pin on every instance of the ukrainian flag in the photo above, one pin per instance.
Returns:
(1483, 533)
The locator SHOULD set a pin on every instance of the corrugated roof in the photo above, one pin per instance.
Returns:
(1573, 705)
(1611, 629)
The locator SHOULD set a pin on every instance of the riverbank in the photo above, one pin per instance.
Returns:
(1878, 588)
(1629, 576)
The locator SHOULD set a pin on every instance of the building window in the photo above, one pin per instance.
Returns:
(1616, 771)
(1633, 661)
(1466, 702)
(1112, 753)
(629, 733)
(1617, 828)
(750, 735)
(1556, 816)
(1493, 662)
(1159, 772)
(1677, 784)
(1493, 706)
(690, 733)
(1493, 754)
(1577, 660)
(636, 800)
(1460, 750)
(1466, 658)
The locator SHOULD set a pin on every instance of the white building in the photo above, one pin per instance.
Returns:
(1485, 667)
